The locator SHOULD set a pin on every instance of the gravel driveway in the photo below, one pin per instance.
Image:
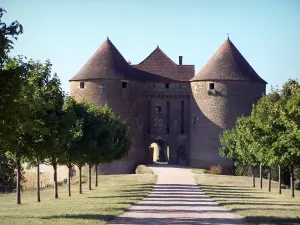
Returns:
(176, 199)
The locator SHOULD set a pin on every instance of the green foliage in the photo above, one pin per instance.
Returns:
(11, 77)
(39, 124)
(228, 147)
(270, 135)
(7, 174)
(8, 33)
(217, 170)
(92, 135)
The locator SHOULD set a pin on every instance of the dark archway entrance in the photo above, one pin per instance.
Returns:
(159, 150)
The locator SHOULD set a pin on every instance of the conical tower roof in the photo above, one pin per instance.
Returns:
(107, 62)
(228, 64)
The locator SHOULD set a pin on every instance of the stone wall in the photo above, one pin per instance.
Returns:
(175, 94)
(211, 113)
(130, 104)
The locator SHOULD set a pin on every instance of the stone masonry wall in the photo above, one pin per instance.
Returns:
(211, 113)
(159, 95)
(129, 103)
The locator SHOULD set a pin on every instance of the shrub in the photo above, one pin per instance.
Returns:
(142, 169)
(75, 179)
(218, 170)
(297, 185)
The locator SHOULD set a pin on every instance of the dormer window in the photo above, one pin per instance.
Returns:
(211, 86)
(167, 85)
(81, 85)
(124, 84)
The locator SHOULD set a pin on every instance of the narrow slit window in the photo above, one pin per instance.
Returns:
(158, 109)
(211, 86)
(81, 85)
(168, 117)
(194, 120)
(149, 117)
(124, 84)
(167, 85)
(182, 118)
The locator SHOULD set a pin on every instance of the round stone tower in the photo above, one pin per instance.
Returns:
(108, 79)
(224, 89)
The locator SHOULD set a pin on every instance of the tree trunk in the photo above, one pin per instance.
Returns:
(90, 177)
(80, 182)
(55, 181)
(279, 178)
(270, 179)
(69, 179)
(38, 192)
(96, 175)
(253, 177)
(19, 181)
(292, 182)
(260, 176)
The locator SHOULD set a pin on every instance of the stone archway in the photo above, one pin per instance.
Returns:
(182, 156)
(159, 150)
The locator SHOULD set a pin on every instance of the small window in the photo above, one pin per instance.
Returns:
(158, 109)
(124, 84)
(211, 86)
(167, 85)
(81, 85)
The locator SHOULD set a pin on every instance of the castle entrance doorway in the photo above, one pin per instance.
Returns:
(159, 150)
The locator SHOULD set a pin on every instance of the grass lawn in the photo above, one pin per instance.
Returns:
(256, 205)
(115, 194)
(200, 171)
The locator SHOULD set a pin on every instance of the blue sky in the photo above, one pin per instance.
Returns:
(68, 32)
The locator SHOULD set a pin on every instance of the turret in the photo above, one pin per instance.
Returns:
(107, 78)
(224, 89)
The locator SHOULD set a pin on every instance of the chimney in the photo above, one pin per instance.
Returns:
(180, 60)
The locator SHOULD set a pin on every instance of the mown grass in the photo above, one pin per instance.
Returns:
(256, 205)
(114, 195)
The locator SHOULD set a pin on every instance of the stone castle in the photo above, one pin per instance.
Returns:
(162, 99)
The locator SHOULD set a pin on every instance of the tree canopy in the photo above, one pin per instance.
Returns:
(270, 135)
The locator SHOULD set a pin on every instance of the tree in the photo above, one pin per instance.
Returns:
(290, 115)
(41, 89)
(240, 144)
(54, 120)
(100, 140)
(19, 145)
(12, 75)
(79, 147)
(115, 144)
(70, 137)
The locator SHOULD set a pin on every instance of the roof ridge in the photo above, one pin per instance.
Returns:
(155, 50)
